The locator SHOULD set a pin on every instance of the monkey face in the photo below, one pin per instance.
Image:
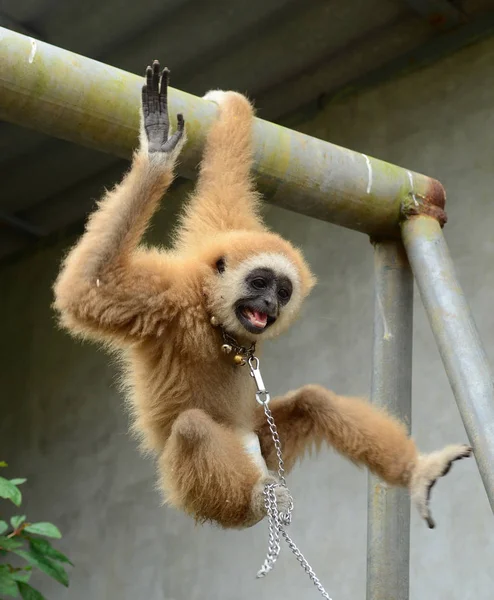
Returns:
(266, 293)
(255, 283)
(259, 296)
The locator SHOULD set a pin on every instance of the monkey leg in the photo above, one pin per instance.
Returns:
(207, 471)
(362, 433)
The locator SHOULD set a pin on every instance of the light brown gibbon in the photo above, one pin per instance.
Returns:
(168, 313)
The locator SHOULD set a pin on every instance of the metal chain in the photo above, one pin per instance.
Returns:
(306, 566)
(246, 353)
(277, 521)
(274, 530)
(277, 444)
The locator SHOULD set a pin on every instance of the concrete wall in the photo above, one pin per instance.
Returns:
(63, 426)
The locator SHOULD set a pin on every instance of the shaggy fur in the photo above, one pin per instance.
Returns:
(191, 406)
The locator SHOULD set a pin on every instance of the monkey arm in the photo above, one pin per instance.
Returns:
(225, 198)
(123, 301)
(107, 285)
(359, 431)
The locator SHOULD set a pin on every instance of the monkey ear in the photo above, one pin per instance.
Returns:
(220, 265)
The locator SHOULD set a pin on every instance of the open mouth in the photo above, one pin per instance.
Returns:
(254, 320)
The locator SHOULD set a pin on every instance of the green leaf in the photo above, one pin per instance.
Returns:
(29, 593)
(3, 463)
(7, 585)
(22, 576)
(46, 529)
(46, 565)
(3, 527)
(9, 543)
(43, 547)
(18, 481)
(16, 521)
(9, 491)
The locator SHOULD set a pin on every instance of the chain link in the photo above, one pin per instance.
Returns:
(277, 521)
(277, 444)
(246, 353)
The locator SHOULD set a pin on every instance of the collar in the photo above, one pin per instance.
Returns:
(230, 344)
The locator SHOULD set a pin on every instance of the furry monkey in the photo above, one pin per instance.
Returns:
(173, 315)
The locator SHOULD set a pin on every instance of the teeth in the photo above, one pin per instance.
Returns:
(254, 318)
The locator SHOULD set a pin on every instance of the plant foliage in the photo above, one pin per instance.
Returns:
(26, 540)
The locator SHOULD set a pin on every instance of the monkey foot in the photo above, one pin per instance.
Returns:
(426, 473)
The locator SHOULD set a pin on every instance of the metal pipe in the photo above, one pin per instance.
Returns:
(388, 516)
(457, 337)
(84, 101)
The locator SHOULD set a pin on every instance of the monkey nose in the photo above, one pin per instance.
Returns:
(270, 305)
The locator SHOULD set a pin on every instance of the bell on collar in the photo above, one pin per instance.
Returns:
(226, 348)
(239, 360)
(214, 321)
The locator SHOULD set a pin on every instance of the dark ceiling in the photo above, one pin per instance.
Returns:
(289, 56)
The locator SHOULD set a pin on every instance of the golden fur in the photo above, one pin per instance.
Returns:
(191, 406)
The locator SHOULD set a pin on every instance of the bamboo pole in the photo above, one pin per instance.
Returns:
(84, 101)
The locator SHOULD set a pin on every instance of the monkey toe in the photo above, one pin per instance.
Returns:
(428, 470)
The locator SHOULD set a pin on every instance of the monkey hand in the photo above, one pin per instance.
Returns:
(155, 112)
(427, 471)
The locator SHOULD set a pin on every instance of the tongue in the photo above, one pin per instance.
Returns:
(258, 319)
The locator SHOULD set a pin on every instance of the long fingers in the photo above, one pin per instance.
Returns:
(156, 95)
(163, 97)
(153, 77)
(151, 96)
(177, 136)
(145, 101)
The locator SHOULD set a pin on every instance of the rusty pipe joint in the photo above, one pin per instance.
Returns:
(430, 204)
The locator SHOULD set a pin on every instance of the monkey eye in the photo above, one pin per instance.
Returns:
(258, 283)
(284, 294)
(220, 265)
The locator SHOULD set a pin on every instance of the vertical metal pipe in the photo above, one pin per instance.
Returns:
(388, 520)
(457, 337)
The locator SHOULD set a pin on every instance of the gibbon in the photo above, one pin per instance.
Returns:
(174, 315)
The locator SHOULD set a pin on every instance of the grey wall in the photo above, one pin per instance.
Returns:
(63, 425)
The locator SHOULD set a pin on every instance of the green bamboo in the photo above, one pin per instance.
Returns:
(84, 101)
